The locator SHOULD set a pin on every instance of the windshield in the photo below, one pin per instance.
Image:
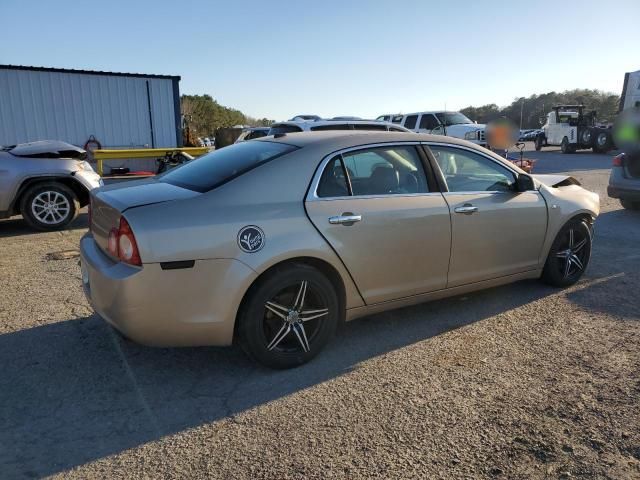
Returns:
(220, 166)
(452, 118)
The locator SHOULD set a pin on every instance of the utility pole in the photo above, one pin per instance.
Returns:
(521, 109)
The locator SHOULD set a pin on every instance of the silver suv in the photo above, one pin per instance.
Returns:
(293, 126)
(47, 182)
(624, 180)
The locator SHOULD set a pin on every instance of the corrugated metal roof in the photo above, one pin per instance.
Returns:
(89, 72)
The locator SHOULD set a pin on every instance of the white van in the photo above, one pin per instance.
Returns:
(453, 124)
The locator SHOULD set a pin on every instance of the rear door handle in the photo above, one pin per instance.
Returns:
(347, 218)
(467, 209)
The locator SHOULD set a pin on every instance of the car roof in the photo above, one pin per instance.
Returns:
(353, 138)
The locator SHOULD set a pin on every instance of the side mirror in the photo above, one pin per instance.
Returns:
(524, 183)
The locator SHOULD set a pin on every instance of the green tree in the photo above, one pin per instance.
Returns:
(205, 115)
(535, 107)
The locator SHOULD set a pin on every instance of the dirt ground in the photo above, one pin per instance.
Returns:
(521, 381)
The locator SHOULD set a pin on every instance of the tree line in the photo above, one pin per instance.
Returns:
(203, 116)
(535, 107)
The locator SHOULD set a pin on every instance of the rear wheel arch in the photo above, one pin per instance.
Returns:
(322, 266)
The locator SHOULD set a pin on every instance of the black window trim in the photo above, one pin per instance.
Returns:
(312, 194)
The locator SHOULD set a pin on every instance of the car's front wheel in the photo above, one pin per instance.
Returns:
(289, 316)
(569, 254)
(49, 206)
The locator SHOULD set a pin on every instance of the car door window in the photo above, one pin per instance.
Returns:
(466, 171)
(376, 171)
(333, 182)
(410, 122)
(428, 122)
(385, 171)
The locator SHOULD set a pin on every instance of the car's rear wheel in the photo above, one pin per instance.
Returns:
(566, 147)
(49, 206)
(289, 316)
(629, 205)
(569, 254)
(539, 142)
(602, 143)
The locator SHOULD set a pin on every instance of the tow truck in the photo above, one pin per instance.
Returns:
(570, 127)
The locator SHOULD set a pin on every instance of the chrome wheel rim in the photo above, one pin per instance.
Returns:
(573, 256)
(293, 317)
(50, 207)
(602, 139)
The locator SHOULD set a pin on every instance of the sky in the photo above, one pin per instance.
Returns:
(352, 57)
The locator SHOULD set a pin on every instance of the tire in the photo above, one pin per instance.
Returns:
(601, 142)
(566, 147)
(563, 252)
(270, 332)
(539, 143)
(630, 205)
(35, 209)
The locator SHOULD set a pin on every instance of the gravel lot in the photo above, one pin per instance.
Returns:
(522, 381)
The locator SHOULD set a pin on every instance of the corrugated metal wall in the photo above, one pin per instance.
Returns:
(70, 106)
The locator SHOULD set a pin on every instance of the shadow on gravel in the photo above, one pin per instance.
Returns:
(69, 396)
(15, 227)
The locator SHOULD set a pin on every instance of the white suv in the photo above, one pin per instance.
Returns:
(319, 125)
(453, 124)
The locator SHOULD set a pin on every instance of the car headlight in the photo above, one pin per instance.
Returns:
(586, 136)
(86, 166)
(471, 135)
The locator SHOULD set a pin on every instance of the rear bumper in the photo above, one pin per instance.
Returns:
(171, 308)
(623, 193)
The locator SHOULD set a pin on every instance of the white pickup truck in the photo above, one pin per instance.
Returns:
(453, 124)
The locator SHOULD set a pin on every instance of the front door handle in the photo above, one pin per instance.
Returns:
(467, 209)
(347, 219)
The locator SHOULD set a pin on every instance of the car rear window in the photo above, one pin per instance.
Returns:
(369, 126)
(275, 129)
(332, 126)
(220, 166)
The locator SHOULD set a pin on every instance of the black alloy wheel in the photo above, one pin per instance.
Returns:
(569, 255)
(289, 317)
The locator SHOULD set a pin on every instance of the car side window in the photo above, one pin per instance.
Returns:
(333, 182)
(410, 122)
(428, 122)
(397, 118)
(385, 171)
(466, 171)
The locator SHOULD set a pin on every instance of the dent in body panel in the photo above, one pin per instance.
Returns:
(563, 204)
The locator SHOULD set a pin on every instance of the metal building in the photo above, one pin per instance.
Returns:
(121, 110)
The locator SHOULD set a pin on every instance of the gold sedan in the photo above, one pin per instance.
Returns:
(271, 243)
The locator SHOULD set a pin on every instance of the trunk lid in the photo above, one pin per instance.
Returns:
(110, 202)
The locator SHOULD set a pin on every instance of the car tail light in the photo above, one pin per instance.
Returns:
(618, 160)
(122, 244)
